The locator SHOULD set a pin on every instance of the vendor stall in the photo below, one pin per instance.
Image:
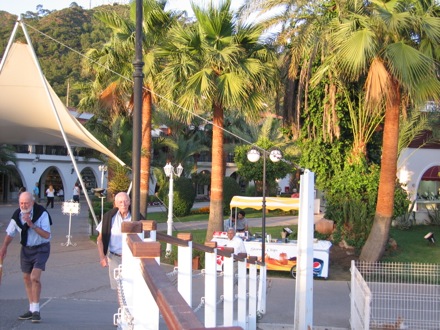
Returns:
(272, 203)
(281, 254)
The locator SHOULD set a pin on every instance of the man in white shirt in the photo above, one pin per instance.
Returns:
(32, 222)
(109, 240)
(235, 242)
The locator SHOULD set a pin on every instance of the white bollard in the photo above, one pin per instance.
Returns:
(228, 291)
(211, 289)
(184, 273)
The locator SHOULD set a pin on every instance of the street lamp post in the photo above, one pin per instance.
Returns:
(169, 172)
(253, 156)
(102, 169)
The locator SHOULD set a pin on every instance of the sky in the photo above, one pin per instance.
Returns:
(18, 7)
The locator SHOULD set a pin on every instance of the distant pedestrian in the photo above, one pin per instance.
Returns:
(60, 195)
(76, 192)
(50, 193)
(36, 192)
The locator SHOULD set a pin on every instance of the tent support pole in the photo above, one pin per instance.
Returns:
(57, 117)
(10, 42)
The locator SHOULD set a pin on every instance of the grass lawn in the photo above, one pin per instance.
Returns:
(412, 247)
(161, 217)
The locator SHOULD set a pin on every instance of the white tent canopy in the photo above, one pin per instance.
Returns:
(26, 114)
(31, 112)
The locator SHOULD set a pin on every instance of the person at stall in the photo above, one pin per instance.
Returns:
(242, 222)
(229, 222)
(235, 242)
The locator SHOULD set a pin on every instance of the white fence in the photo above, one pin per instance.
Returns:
(148, 297)
(395, 296)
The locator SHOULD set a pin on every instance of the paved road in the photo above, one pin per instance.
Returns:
(76, 292)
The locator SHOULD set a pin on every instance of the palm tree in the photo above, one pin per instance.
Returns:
(302, 43)
(113, 85)
(7, 158)
(393, 45)
(216, 65)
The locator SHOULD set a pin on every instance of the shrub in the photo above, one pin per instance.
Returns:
(230, 189)
(120, 180)
(97, 209)
(202, 210)
(434, 215)
(251, 190)
(351, 203)
(183, 197)
(401, 201)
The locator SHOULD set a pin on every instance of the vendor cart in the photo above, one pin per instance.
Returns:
(281, 254)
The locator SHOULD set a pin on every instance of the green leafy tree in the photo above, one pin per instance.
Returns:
(7, 158)
(111, 67)
(393, 47)
(266, 135)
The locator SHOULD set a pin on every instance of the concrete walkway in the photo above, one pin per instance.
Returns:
(76, 293)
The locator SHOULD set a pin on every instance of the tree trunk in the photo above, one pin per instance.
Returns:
(376, 243)
(216, 204)
(146, 152)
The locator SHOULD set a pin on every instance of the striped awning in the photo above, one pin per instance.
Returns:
(432, 174)
(272, 203)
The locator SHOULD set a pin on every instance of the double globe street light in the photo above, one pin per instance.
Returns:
(170, 173)
(254, 155)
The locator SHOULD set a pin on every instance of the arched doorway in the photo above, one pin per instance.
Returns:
(89, 179)
(50, 177)
(429, 187)
(202, 181)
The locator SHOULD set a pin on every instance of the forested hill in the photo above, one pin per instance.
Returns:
(73, 27)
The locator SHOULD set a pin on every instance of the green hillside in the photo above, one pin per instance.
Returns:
(59, 38)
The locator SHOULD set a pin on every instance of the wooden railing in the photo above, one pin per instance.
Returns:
(149, 292)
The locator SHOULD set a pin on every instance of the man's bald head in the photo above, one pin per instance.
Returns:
(122, 202)
(26, 201)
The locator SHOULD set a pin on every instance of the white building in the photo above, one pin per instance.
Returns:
(49, 165)
(418, 168)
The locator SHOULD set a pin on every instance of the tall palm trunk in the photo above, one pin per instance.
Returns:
(216, 204)
(376, 243)
(146, 151)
